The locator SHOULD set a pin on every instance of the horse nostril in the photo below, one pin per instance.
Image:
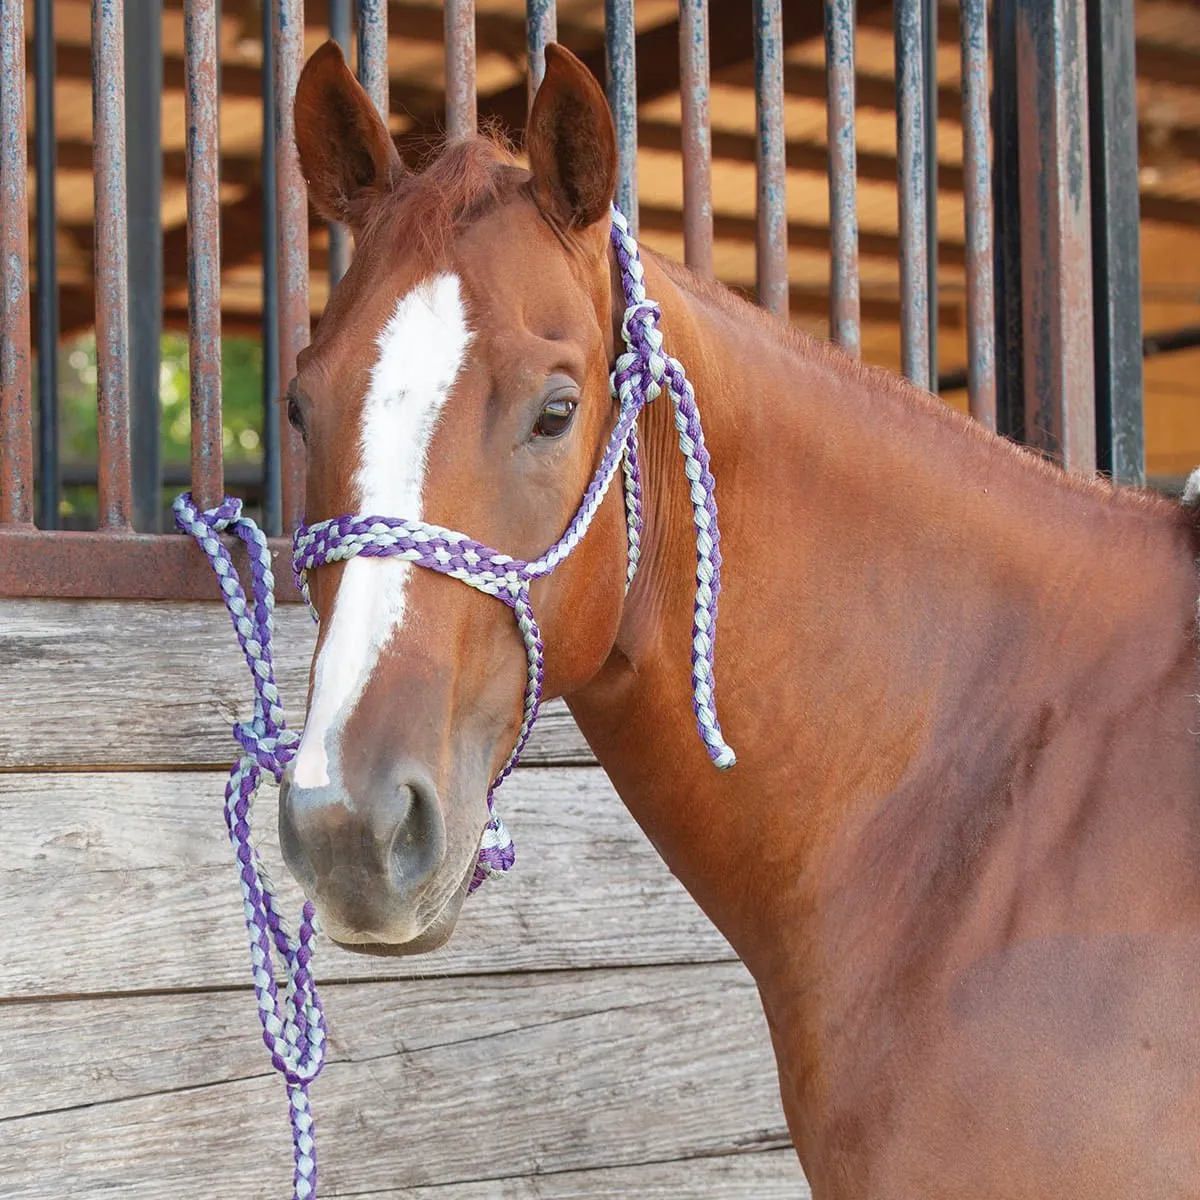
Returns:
(291, 844)
(416, 835)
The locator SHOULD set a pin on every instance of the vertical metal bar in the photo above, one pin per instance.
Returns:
(204, 249)
(771, 248)
(143, 140)
(1056, 252)
(1116, 269)
(911, 180)
(292, 224)
(372, 52)
(696, 142)
(541, 27)
(47, 266)
(977, 203)
(1006, 179)
(339, 235)
(929, 22)
(844, 303)
(16, 378)
(112, 263)
(620, 34)
(461, 116)
(272, 510)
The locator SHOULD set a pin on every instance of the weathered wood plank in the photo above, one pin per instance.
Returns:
(106, 683)
(664, 1065)
(119, 882)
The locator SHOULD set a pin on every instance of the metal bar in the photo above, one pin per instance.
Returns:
(844, 307)
(541, 28)
(461, 117)
(620, 35)
(1116, 268)
(16, 378)
(981, 316)
(292, 228)
(339, 235)
(912, 173)
(112, 264)
(696, 137)
(143, 140)
(372, 51)
(770, 158)
(929, 48)
(204, 249)
(47, 266)
(272, 510)
(1056, 252)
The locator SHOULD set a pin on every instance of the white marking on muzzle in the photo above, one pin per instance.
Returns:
(421, 350)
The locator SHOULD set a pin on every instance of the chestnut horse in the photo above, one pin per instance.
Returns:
(960, 849)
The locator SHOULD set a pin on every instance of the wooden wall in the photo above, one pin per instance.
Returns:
(586, 1033)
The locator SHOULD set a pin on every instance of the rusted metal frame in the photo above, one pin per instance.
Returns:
(845, 313)
(929, 44)
(912, 176)
(339, 235)
(272, 501)
(696, 137)
(16, 377)
(621, 72)
(47, 259)
(1116, 268)
(204, 250)
(541, 28)
(1056, 250)
(372, 52)
(981, 317)
(292, 231)
(461, 115)
(144, 175)
(119, 565)
(771, 250)
(112, 264)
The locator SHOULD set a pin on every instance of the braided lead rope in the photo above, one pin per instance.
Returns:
(293, 1025)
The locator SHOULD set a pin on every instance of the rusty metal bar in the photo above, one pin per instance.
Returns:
(981, 317)
(1116, 269)
(112, 264)
(47, 261)
(339, 235)
(911, 171)
(541, 27)
(204, 249)
(372, 51)
(461, 116)
(620, 36)
(929, 35)
(844, 305)
(16, 377)
(291, 206)
(1056, 250)
(271, 501)
(696, 137)
(771, 267)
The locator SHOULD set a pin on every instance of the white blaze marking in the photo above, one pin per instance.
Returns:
(421, 350)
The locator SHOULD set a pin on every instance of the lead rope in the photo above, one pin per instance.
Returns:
(294, 1025)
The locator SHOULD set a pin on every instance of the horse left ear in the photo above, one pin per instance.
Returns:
(571, 143)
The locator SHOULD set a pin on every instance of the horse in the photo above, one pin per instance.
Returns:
(959, 850)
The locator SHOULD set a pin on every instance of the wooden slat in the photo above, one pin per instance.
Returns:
(115, 683)
(122, 882)
(657, 1066)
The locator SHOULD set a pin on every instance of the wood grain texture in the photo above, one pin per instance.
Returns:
(90, 683)
(124, 881)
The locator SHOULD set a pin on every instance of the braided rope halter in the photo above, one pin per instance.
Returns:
(294, 1024)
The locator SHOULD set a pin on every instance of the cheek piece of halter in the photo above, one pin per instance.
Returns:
(293, 1024)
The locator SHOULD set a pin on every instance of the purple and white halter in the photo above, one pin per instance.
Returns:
(294, 1025)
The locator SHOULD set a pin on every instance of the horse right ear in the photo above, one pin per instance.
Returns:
(346, 153)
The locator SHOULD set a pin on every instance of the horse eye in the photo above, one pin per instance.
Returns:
(555, 418)
(295, 419)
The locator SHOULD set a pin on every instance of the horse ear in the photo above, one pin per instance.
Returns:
(571, 143)
(346, 153)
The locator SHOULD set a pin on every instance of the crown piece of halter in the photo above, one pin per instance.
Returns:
(294, 1024)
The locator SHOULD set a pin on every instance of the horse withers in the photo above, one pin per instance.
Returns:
(960, 849)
